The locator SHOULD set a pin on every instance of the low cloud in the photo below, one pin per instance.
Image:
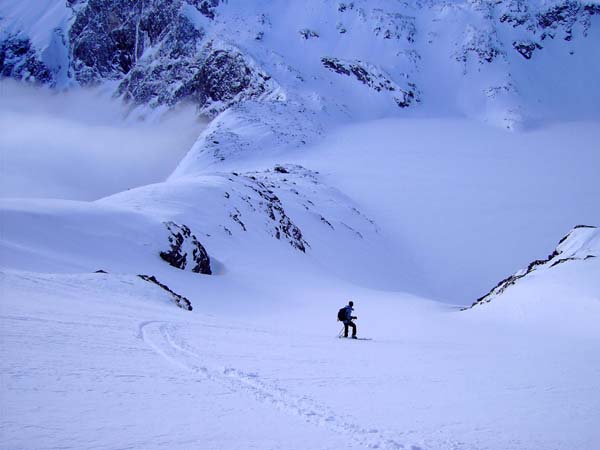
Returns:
(82, 145)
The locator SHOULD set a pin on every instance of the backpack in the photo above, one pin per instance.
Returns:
(342, 314)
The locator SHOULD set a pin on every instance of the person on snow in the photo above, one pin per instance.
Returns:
(348, 320)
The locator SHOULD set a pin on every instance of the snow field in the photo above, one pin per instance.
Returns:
(392, 208)
(106, 361)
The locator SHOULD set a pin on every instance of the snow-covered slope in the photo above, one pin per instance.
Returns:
(105, 361)
(561, 291)
(581, 244)
(236, 216)
(462, 204)
(341, 162)
(277, 78)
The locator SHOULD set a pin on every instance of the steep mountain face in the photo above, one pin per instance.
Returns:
(325, 55)
(158, 52)
(580, 247)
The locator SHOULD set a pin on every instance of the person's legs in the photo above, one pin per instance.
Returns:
(353, 325)
(346, 329)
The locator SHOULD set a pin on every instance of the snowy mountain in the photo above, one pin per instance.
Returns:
(191, 189)
(502, 61)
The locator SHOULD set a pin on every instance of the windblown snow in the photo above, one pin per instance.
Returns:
(192, 189)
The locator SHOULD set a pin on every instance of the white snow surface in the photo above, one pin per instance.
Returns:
(94, 360)
(538, 295)
(106, 361)
(461, 204)
(324, 193)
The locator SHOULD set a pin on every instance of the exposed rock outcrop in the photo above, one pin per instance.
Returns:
(396, 26)
(274, 200)
(374, 78)
(159, 52)
(104, 38)
(20, 61)
(208, 7)
(526, 48)
(179, 300)
(283, 227)
(552, 21)
(307, 33)
(214, 80)
(562, 16)
(481, 44)
(185, 250)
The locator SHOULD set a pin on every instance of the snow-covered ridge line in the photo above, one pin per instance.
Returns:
(217, 54)
(193, 224)
(278, 202)
(580, 244)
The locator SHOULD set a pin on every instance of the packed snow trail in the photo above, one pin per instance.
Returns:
(163, 338)
(76, 373)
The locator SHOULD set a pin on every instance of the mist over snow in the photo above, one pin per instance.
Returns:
(464, 202)
(81, 144)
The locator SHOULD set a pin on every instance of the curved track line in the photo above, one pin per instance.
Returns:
(162, 337)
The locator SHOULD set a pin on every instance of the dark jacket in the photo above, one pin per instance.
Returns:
(349, 310)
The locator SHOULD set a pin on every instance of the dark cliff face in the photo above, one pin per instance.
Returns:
(556, 21)
(158, 54)
(213, 80)
(226, 74)
(108, 37)
(18, 60)
(102, 40)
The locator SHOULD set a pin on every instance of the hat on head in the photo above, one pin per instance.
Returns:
(351, 303)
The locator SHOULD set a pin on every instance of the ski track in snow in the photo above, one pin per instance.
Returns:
(163, 338)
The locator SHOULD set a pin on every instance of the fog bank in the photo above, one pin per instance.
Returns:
(81, 145)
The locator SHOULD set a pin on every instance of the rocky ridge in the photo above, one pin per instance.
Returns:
(286, 203)
(581, 244)
(374, 78)
(179, 300)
